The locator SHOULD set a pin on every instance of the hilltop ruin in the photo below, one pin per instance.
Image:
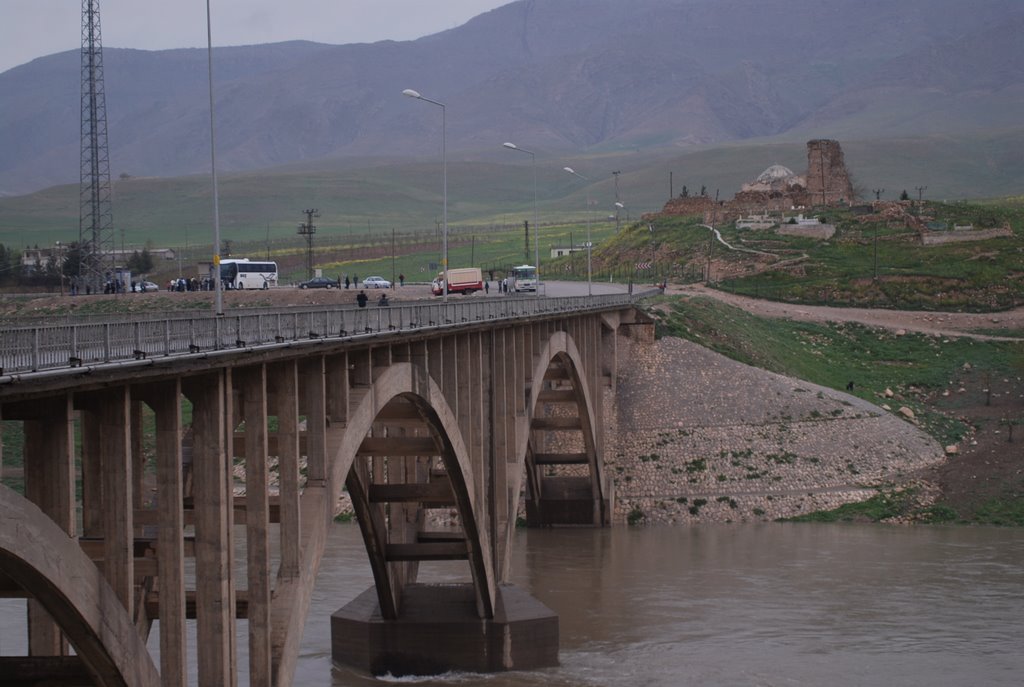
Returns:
(778, 189)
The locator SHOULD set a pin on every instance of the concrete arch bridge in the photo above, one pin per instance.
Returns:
(150, 446)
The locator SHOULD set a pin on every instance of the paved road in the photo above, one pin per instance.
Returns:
(579, 288)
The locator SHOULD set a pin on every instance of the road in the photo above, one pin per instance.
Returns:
(934, 323)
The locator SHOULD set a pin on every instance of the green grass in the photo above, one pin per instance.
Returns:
(375, 196)
(1008, 511)
(981, 276)
(901, 505)
(883, 506)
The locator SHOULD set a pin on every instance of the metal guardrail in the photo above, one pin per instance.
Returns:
(65, 345)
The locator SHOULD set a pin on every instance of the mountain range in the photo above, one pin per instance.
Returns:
(572, 77)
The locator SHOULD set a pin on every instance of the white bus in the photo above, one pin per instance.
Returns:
(243, 273)
(524, 278)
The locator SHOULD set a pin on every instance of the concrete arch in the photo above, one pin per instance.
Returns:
(45, 562)
(560, 345)
(414, 384)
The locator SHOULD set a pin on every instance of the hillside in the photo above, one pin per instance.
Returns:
(926, 371)
(570, 77)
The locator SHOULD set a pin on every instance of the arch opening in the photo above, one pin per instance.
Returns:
(412, 490)
(563, 480)
(39, 558)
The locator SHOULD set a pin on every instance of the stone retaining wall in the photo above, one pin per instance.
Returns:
(713, 440)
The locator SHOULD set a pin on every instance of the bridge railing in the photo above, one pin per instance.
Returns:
(69, 345)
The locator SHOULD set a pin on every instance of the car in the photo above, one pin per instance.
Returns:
(319, 283)
(376, 283)
(146, 286)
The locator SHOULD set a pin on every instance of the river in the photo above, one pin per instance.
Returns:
(770, 604)
(767, 605)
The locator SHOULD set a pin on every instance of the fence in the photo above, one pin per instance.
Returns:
(141, 340)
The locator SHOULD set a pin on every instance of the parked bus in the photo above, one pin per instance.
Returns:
(243, 273)
(524, 278)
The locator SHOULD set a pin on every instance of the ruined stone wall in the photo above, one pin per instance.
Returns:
(692, 205)
(828, 182)
(933, 238)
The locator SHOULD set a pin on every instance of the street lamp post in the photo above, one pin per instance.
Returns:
(60, 265)
(218, 286)
(444, 191)
(572, 171)
(536, 225)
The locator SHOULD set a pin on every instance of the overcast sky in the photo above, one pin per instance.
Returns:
(33, 28)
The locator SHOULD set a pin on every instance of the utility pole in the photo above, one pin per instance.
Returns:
(308, 230)
(526, 238)
(875, 268)
(671, 190)
(618, 205)
(878, 193)
(920, 191)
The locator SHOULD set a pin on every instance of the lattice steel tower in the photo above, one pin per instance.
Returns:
(95, 217)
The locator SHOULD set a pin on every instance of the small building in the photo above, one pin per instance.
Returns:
(802, 221)
(756, 222)
(562, 251)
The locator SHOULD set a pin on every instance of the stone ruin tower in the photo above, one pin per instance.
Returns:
(828, 182)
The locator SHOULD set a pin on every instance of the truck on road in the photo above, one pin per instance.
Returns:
(464, 280)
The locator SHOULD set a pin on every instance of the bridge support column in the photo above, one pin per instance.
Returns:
(215, 599)
(49, 483)
(439, 631)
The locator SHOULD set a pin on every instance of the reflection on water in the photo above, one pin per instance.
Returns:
(771, 604)
(774, 604)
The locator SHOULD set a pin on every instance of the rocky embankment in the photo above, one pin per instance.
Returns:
(698, 437)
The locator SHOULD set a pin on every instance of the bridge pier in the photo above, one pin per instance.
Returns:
(439, 631)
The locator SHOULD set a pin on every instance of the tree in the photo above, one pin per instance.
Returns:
(141, 263)
(685, 193)
(904, 195)
(7, 269)
(73, 259)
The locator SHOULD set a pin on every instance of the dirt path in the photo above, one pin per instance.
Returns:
(936, 323)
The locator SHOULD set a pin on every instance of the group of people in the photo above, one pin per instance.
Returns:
(362, 299)
(193, 284)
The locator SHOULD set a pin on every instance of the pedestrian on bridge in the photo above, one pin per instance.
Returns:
(361, 299)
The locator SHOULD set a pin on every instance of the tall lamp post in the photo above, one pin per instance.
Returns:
(444, 191)
(572, 171)
(218, 286)
(60, 265)
(536, 225)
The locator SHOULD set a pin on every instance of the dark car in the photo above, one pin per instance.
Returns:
(319, 283)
